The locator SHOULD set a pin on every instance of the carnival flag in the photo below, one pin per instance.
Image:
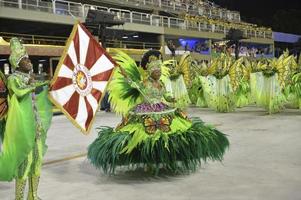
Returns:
(81, 77)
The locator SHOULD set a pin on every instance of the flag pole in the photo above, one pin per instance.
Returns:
(75, 18)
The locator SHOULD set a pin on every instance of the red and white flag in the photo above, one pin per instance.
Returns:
(81, 78)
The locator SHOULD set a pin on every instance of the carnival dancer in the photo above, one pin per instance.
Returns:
(153, 134)
(243, 91)
(272, 81)
(179, 79)
(222, 82)
(196, 91)
(293, 88)
(27, 121)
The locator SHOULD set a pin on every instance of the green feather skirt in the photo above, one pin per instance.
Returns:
(196, 93)
(219, 93)
(243, 94)
(182, 149)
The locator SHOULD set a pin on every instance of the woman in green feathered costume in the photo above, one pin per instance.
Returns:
(293, 91)
(152, 134)
(196, 91)
(270, 82)
(27, 121)
(293, 88)
(243, 91)
(221, 83)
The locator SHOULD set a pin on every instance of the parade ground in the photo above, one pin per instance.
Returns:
(262, 163)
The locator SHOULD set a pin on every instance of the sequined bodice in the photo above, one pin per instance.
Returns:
(153, 94)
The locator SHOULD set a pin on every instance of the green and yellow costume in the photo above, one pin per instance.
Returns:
(270, 80)
(179, 80)
(196, 90)
(293, 87)
(153, 133)
(222, 83)
(27, 121)
(294, 91)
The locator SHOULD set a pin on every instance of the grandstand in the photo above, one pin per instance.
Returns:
(196, 26)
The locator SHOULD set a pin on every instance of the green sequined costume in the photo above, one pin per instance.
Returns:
(153, 134)
(197, 94)
(28, 119)
(270, 81)
(27, 122)
(221, 83)
(176, 86)
(269, 95)
(293, 91)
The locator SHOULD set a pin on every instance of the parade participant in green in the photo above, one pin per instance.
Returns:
(27, 121)
(153, 133)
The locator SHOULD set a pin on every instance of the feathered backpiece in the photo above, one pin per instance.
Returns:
(3, 96)
(249, 67)
(296, 85)
(197, 70)
(166, 69)
(123, 96)
(236, 73)
(175, 68)
(226, 65)
(219, 66)
(261, 65)
(284, 66)
(184, 68)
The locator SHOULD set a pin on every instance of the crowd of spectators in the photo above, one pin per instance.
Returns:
(244, 50)
(213, 17)
(201, 8)
(198, 47)
(188, 4)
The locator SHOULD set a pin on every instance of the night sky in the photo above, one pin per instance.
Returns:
(280, 15)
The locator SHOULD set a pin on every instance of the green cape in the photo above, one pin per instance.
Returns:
(20, 128)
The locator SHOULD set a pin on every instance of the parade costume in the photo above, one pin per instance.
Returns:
(179, 80)
(270, 82)
(27, 121)
(256, 82)
(243, 92)
(221, 84)
(196, 91)
(293, 88)
(294, 95)
(153, 134)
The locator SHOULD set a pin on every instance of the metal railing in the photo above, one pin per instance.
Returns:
(35, 39)
(132, 44)
(61, 41)
(62, 7)
(180, 7)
